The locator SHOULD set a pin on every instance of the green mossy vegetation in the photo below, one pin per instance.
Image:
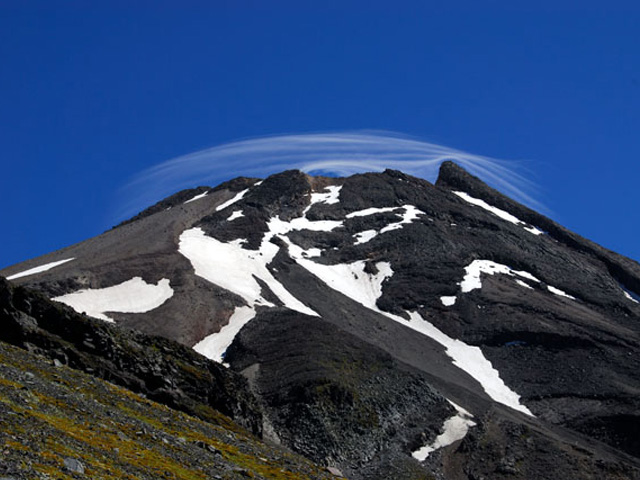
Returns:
(50, 414)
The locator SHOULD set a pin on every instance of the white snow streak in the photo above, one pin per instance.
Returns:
(410, 214)
(40, 269)
(471, 280)
(471, 360)
(238, 197)
(371, 211)
(132, 296)
(628, 295)
(523, 284)
(454, 429)
(234, 215)
(498, 212)
(197, 197)
(557, 291)
(214, 346)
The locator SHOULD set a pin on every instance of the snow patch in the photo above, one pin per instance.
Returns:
(351, 279)
(132, 296)
(498, 212)
(215, 345)
(629, 294)
(234, 215)
(197, 197)
(447, 301)
(40, 269)
(280, 227)
(330, 196)
(523, 284)
(455, 428)
(472, 281)
(410, 214)
(235, 199)
(534, 230)
(364, 237)
(371, 211)
(557, 291)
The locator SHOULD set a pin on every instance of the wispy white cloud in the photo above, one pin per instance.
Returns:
(334, 154)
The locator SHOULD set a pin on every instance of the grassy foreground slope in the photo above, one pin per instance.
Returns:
(61, 423)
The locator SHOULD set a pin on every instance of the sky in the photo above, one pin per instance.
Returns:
(94, 94)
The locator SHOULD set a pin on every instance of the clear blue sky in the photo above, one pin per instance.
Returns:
(90, 96)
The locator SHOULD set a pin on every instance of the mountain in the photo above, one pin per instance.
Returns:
(378, 324)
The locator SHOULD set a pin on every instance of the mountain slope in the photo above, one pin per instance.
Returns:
(373, 314)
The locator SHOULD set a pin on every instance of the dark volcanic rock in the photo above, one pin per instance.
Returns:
(334, 398)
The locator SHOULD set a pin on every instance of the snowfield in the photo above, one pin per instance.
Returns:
(132, 296)
(40, 269)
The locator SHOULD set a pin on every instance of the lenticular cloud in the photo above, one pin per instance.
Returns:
(333, 154)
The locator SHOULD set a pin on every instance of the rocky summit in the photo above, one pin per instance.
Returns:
(372, 327)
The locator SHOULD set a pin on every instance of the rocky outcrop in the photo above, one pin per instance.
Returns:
(334, 398)
(158, 368)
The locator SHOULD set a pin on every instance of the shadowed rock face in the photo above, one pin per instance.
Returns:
(358, 386)
(159, 368)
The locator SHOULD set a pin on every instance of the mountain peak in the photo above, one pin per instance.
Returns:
(370, 313)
